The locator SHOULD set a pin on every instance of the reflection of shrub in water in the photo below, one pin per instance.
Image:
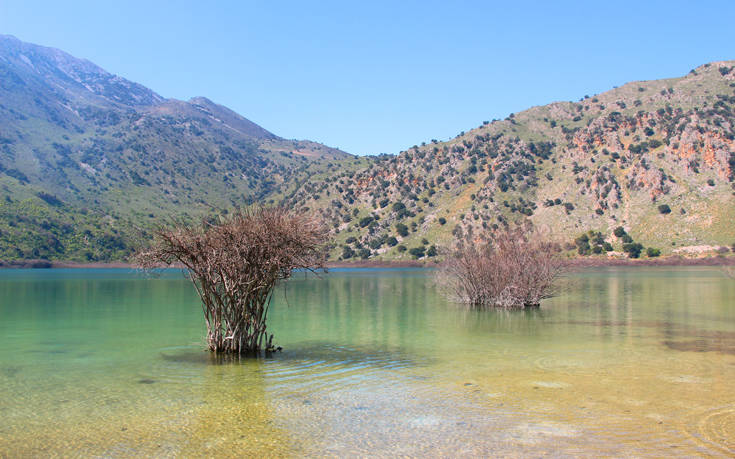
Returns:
(197, 357)
(307, 352)
(495, 320)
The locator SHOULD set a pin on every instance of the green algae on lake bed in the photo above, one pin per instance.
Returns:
(627, 361)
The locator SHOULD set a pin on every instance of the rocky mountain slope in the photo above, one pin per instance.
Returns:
(656, 158)
(89, 160)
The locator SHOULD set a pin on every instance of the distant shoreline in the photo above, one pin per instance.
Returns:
(662, 261)
(574, 263)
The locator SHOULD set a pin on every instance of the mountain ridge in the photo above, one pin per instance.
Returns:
(90, 162)
(606, 161)
(78, 143)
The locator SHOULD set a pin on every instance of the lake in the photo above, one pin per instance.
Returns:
(625, 361)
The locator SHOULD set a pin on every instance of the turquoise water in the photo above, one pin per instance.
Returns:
(632, 361)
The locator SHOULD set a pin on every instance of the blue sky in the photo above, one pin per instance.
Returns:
(374, 77)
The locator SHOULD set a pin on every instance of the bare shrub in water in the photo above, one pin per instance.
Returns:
(235, 264)
(516, 268)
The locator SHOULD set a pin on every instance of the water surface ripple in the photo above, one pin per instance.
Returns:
(625, 362)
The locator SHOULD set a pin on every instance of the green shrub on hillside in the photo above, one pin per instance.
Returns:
(633, 249)
(347, 252)
(417, 252)
(365, 221)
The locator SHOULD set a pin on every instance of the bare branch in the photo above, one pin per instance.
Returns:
(234, 265)
(516, 268)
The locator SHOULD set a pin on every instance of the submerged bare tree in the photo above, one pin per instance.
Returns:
(517, 267)
(235, 264)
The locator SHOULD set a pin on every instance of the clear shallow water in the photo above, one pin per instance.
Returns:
(375, 362)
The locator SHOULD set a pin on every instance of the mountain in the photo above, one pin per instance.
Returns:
(89, 160)
(656, 158)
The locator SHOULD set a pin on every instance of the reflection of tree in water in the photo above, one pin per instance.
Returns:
(353, 308)
(492, 320)
(689, 300)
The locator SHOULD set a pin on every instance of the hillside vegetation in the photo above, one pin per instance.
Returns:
(90, 162)
(654, 160)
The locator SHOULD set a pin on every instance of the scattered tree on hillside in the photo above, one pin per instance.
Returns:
(633, 249)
